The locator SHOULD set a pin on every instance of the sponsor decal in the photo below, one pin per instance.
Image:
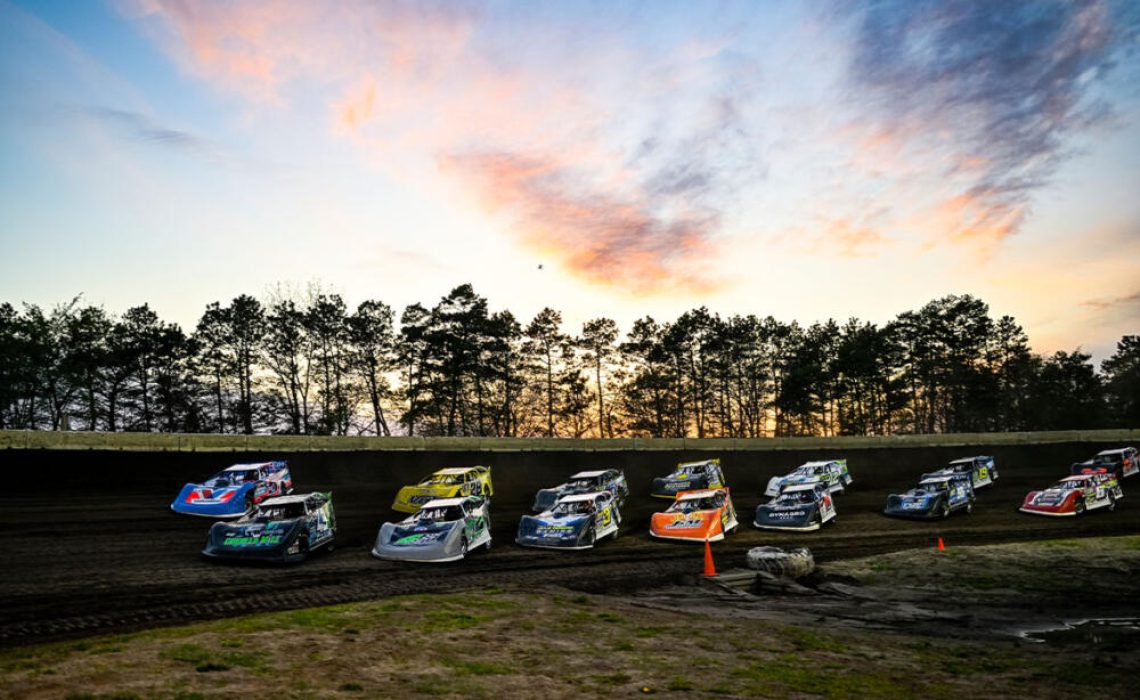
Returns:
(787, 514)
(252, 541)
(554, 532)
(420, 538)
(686, 522)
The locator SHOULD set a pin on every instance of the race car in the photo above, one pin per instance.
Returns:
(689, 476)
(1073, 495)
(1122, 461)
(234, 491)
(444, 529)
(803, 507)
(981, 470)
(833, 473)
(576, 521)
(453, 482)
(612, 480)
(936, 496)
(706, 514)
(281, 529)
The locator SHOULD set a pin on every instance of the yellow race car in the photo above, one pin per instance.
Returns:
(452, 482)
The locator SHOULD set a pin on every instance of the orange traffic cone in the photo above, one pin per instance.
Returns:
(710, 570)
(941, 547)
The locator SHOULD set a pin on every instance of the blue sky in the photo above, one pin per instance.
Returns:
(805, 160)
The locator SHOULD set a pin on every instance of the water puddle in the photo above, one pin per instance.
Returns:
(1104, 633)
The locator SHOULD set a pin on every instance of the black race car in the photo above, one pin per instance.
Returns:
(282, 529)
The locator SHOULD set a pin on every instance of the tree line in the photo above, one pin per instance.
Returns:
(305, 363)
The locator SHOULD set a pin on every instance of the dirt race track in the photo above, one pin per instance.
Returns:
(90, 545)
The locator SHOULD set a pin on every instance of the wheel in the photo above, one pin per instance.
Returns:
(969, 506)
(248, 502)
(617, 531)
(1111, 502)
(591, 537)
(463, 546)
(1079, 507)
(330, 546)
(303, 545)
(944, 510)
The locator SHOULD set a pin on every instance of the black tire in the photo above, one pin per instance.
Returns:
(1079, 508)
(303, 545)
(248, 502)
(1111, 503)
(944, 509)
(617, 531)
(591, 536)
(463, 546)
(970, 506)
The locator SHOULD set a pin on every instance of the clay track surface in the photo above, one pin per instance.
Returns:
(89, 550)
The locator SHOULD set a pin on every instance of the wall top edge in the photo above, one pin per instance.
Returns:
(174, 442)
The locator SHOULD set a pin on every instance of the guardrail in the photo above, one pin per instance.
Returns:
(184, 442)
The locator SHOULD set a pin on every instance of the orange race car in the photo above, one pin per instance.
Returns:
(696, 516)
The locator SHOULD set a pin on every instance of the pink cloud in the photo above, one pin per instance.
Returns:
(602, 238)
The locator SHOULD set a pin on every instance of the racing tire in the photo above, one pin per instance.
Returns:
(793, 563)
(248, 502)
(969, 506)
(1111, 503)
(463, 546)
(944, 510)
(591, 536)
(1079, 508)
(617, 531)
(303, 546)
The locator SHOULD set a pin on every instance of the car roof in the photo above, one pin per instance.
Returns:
(694, 464)
(818, 464)
(966, 460)
(587, 475)
(691, 495)
(244, 467)
(581, 497)
(450, 471)
(1119, 450)
(443, 502)
(1077, 477)
(936, 480)
(284, 500)
(806, 486)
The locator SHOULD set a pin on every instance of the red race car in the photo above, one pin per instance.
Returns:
(1073, 495)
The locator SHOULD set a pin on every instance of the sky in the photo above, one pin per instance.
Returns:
(805, 160)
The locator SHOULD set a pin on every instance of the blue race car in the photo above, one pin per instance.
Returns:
(234, 491)
(576, 521)
(981, 468)
(689, 476)
(934, 497)
(612, 480)
(281, 529)
(799, 507)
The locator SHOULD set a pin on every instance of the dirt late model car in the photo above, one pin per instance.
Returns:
(576, 521)
(612, 480)
(1073, 495)
(453, 482)
(981, 470)
(833, 473)
(234, 491)
(1123, 462)
(444, 529)
(936, 496)
(799, 507)
(706, 514)
(282, 529)
(689, 476)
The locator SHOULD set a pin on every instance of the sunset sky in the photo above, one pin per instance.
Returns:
(801, 159)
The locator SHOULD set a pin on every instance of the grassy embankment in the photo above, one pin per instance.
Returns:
(556, 643)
